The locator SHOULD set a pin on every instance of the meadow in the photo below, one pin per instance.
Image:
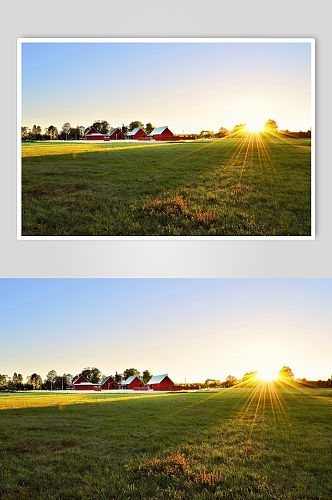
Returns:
(257, 185)
(271, 442)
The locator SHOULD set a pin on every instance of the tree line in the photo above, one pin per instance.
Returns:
(53, 381)
(68, 132)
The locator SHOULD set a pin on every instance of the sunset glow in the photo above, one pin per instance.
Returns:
(254, 126)
(267, 375)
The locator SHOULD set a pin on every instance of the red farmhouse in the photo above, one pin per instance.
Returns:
(136, 134)
(132, 382)
(93, 135)
(83, 384)
(161, 134)
(161, 383)
(108, 383)
(116, 134)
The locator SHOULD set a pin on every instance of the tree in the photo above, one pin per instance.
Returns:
(271, 125)
(105, 127)
(222, 132)
(16, 382)
(50, 378)
(93, 374)
(124, 128)
(35, 381)
(81, 131)
(102, 126)
(239, 128)
(129, 372)
(66, 129)
(249, 378)
(52, 132)
(136, 124)
(230, 381)
(206, 134)
(34, 131)
(3, 382)
(212, 382)
(118, 377)
(146, 376)
(67, 380)
(59, 383)
(286, 372)
(148, 128)
(24, 133)
(38, 131)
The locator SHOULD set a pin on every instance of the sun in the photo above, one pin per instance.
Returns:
(267, 375)
(254, 126)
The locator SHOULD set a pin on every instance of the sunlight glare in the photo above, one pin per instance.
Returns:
(267, 375)
(254, 126)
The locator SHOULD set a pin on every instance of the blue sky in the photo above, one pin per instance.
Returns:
(191, 328)
(188, 87)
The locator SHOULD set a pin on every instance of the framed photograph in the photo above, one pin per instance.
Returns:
(166, 138)
(166, 388)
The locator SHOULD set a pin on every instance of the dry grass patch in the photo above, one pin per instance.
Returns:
(178, 465)
(169, 206)
(173, 206)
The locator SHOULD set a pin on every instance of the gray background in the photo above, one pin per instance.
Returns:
(302, 18)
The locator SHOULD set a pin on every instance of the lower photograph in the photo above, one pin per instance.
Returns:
(166, 388)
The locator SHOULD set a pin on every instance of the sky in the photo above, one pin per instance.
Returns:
(192, 329)
(188, 86)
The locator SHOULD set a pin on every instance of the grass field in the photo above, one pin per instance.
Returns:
(256, 185)
(274, 443)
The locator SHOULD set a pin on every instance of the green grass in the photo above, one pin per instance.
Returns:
(258, 185)
(232, 444)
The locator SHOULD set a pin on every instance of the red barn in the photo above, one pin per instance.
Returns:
(109, 383)
(161, 134)
(83, 384)
(137, 134)
(116, 134)
(93, 135)
(132, 382)
(161, 383)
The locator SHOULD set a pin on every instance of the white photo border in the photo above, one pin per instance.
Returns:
(21, 41)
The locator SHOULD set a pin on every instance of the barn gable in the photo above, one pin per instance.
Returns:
(92, 131)
(136, 133)
(109, 383)
(116, 133)
(132, 382)
(81, 380)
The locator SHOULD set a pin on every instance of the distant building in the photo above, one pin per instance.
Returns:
(83, 384)
(109, 383)
(116, 134)
(161, 134)
(132, 382)
(161, 383)
(93, 135)
(136, 134)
